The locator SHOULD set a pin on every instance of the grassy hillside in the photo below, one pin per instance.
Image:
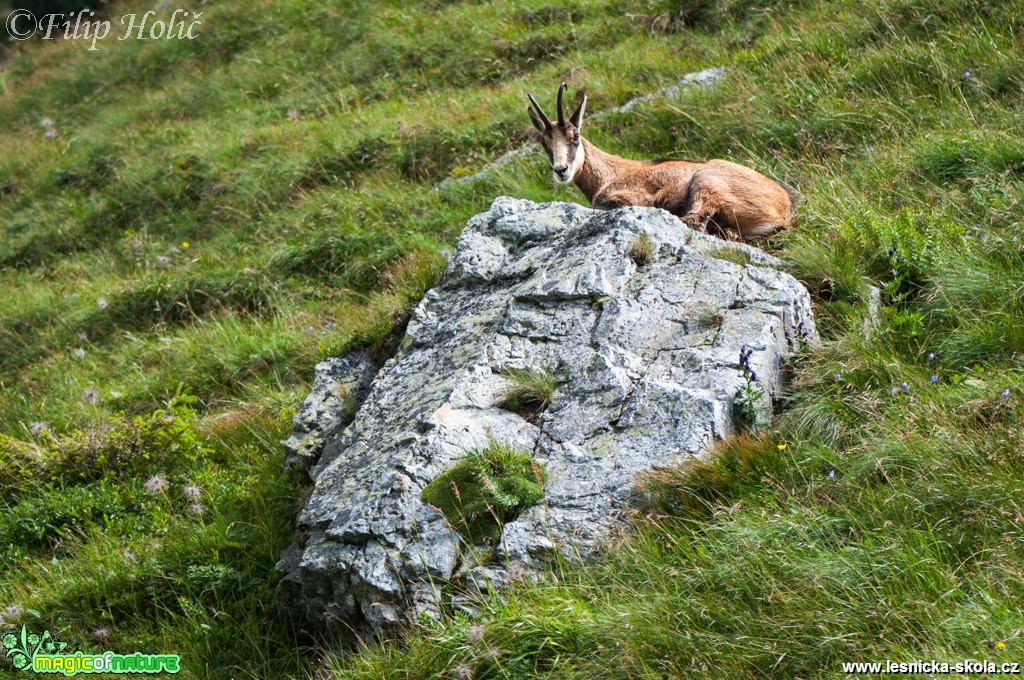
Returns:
(212, 217)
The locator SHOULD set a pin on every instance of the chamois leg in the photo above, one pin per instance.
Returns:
(620, 199)
(698, 217)
(704, 200)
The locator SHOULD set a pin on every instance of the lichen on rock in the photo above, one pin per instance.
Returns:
(649, 375)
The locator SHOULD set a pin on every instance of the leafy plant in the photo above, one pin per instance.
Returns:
(163, 439)
(752, 414)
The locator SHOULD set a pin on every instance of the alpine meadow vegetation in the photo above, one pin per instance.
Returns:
(188, 226)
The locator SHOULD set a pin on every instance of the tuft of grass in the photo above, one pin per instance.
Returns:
(530, 392)
(734, 255)
(641, 250)
(485, 490)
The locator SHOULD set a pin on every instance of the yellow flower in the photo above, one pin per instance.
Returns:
(782, 446)
(184, 244)
(1000, 645)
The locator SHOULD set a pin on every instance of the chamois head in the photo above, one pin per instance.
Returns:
(562, 139)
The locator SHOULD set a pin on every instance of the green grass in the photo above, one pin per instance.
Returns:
(299, 149)
(530, 392)
(641, 250)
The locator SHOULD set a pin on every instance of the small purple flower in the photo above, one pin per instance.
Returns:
(871, 149)
(101, 634)
(328, 326)
(896, 202)
(935, 378)
(967, 74)
(838, 377)
(890, 391)
(192, 493)
(904, 386)
(1006, 394)
(831, 474)
(931, 356)
(197, 509)
(78, 353)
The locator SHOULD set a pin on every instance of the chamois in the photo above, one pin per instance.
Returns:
(740, 202)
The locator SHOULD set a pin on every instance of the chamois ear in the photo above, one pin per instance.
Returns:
(537, 122)
(577, 117)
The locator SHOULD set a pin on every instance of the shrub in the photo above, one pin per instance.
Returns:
(164, 439)
(19, 462)
(486, 489)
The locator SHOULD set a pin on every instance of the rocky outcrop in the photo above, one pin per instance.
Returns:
(648, 366)
(340, 385)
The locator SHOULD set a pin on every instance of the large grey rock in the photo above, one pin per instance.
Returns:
(648, 362)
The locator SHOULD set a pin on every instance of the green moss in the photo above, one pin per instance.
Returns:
(486, 489)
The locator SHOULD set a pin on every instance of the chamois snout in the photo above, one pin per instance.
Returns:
(561, 139)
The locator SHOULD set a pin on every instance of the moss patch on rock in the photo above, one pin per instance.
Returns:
(486, 489)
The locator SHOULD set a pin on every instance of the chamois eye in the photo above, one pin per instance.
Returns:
(576, 142)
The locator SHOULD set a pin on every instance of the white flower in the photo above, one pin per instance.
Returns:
(156, 483)
(78, 353)
(101, 304)
(197, 509)
(192, 492)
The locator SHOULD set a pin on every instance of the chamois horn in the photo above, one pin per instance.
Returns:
(543, 116)
(561, 111)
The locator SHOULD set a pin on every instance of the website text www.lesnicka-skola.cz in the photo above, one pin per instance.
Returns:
(931, 667)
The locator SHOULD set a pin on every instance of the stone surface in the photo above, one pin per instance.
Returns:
(705, 78)
(339, 386)
(648, 366)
